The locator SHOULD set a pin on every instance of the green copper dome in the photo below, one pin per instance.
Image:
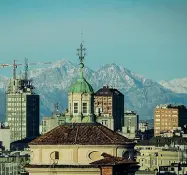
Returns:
(82, 86)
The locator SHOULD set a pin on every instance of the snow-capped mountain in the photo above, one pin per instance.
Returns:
(3, 82)
(176, 85)
(141, 94)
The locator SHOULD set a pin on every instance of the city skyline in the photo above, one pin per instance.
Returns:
(148, 38)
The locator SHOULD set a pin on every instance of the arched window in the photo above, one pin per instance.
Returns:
(54, 155)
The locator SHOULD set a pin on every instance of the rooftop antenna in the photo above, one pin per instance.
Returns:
(20, 74)
(82, 38)
(14, 69)
(56, 107)
(26, 69)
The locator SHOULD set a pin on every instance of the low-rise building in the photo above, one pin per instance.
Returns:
(173, 169)
(48, 123)
(5, 136)
(161, 151)
(143, 126)
(151, 159)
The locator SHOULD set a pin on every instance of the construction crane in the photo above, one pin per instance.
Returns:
(15, 65)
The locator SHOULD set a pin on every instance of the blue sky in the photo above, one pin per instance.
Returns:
(148, 37)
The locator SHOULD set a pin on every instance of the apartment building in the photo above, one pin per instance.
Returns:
(168, 117)
(109, 107)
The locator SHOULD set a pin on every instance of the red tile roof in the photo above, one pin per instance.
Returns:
(81, 134)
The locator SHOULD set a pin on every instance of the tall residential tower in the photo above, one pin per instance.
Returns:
(109, 107)
(22, 109)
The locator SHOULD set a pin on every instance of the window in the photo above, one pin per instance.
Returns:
(75, 107)
(44, 123)
(104, 122)
(84, 108)
(54, 155)
(60, 122)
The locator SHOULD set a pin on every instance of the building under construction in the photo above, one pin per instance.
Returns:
(22, 107)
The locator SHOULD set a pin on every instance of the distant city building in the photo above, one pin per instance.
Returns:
(48, 123)
(130, 128)
(150, 158)
(22, 109)
(161, 151)
(21, 145)
(13, 164)
(5, 136)
(178, 131)
(143, 126)
(109, 107)
(168, 117)
(146, 135)
(173, 169)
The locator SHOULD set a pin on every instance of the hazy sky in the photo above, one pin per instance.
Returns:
(148, 37)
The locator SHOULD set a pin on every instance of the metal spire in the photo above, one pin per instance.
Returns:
(81, 52)
(26, 68)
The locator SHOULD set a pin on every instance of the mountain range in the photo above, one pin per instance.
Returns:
(141, 94)
(176, 85)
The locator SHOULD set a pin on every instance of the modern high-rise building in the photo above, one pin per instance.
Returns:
(130, 128)
(22, 109)
(168, 117)
(109, 107)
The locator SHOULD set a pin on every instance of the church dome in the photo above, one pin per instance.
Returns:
(82, 86)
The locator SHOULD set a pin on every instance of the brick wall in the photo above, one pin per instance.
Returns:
(107, 170)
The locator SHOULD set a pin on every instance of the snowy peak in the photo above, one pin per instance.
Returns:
(59, 75)
(3, 82)
(117, 76)
(176, 85)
